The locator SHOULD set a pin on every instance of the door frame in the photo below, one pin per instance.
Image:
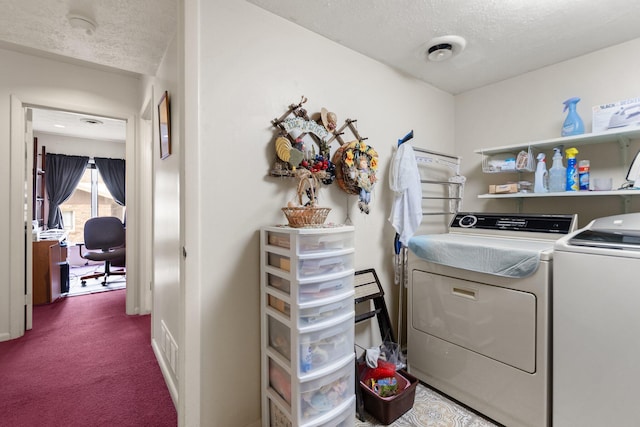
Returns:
(20, 234)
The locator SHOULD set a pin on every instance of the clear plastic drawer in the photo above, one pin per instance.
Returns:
(279, 283)
(313, 313)
(323, 347)
(320, 313)
(280, 381)
(282, 306)
(317, 348)
(322, 395)
(313, 290)
(281, 240)
(277, 418)
(280, 337)
(279, 261)
(311, 267)
(344, 418)
(316, 243)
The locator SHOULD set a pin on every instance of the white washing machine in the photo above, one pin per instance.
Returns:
(596, 317)
(478, 313)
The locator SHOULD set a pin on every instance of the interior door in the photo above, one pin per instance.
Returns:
(20, 305)
(29, 171)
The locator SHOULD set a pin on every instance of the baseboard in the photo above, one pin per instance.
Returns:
(166, 372)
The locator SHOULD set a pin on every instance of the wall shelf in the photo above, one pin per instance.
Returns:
(621, 193)
(620, 136)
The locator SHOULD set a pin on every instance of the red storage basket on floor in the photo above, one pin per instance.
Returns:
(389, 409)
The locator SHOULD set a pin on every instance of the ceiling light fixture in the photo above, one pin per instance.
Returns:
(445, 47)
(82, 22)
(91, 121)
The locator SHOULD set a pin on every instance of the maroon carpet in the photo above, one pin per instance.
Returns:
(84, 363)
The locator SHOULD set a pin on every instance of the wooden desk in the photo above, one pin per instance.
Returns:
(47, 257)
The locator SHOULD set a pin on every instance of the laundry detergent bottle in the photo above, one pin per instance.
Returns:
(540, 186)
(572, 170)
(557, 172)
(573, 124)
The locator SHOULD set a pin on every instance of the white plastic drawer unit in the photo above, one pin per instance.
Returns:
(312, 243)
(319, 347)
(315, 288)
(307, 327)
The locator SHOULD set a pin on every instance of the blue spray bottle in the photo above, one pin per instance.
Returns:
(573, 124)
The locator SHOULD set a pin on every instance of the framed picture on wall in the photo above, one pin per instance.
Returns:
(164, 121)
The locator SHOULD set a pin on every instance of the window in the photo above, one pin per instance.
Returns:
(90, 199)
(68, 217)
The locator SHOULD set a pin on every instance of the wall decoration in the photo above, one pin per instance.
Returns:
(164, 122)
(356, 168)
(302, 151)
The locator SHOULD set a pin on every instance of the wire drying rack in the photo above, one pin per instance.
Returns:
(442, 189)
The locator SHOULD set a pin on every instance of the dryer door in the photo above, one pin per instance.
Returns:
(496, 322)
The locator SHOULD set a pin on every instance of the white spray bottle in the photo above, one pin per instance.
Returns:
(540, 185)
(557, 172)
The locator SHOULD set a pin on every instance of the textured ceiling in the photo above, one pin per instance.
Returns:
(504, 38)
(131, 36)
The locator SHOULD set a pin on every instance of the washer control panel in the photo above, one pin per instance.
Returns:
(531, 223)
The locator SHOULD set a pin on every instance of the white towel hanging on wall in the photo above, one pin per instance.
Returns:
(404, 181)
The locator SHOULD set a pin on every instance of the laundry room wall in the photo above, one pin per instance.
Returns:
(253, 65)
(529, 108)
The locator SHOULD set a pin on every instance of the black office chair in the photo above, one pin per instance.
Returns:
(104, 239)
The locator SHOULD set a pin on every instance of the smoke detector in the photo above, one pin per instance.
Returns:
(445, 47)
(82, 22)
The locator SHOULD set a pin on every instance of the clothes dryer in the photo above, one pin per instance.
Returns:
(478, 313)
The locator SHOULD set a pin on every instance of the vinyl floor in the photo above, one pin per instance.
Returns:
(431, 409)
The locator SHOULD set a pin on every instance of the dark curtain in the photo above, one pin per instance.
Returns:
(62, 175)
(112, 172)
